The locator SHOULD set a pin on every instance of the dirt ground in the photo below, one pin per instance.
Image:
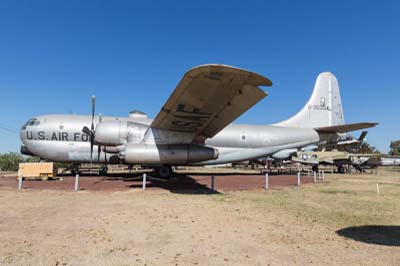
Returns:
(339, 222)
(197, 182)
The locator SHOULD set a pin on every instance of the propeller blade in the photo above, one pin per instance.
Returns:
(93, 110)
(105, 154)
(91, 148)
(98, 152)
(87, 131)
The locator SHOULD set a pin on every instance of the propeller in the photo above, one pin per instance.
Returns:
(90, 132)
(99, 147)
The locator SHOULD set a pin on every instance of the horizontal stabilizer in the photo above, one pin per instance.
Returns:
(345, 128)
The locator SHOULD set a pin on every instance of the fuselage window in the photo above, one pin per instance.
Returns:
(243, 137)
(31, 122)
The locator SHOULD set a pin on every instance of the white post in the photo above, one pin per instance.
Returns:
(315, 177)
(377, 188)
(20, 182)
(76, 182)
(266, 181)
(144, 181)
(308, 173)
(323, 175)
(298, 179)
(212, 183)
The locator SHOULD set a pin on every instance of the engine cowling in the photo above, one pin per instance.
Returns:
(111, 133)
(176, 154)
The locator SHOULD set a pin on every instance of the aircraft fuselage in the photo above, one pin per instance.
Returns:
(60, 138)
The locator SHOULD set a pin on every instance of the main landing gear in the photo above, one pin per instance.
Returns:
(103, 170)
(163, 172)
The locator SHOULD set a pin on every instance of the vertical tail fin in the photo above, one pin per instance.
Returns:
(323, 109)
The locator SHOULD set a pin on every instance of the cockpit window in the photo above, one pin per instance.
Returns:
(31, 122)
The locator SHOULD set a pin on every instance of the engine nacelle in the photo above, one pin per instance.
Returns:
(175, 154)
(111, 133)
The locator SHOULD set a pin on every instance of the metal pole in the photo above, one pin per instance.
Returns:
(212, 183)
(298, 179)
(266, 181)
(20, 182)
(323, 175)
(144, 181)
(76, 182)
(315, 177)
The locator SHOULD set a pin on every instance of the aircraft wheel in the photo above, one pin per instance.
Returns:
(341, 169)
(164, 172)
(315, 168)
(75, 172)
(103, 171)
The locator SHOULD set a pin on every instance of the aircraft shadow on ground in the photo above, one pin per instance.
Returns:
(386, 235)
(178, 183)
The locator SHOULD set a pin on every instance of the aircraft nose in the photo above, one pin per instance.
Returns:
(22, 133)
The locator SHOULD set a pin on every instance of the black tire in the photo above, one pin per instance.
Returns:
(315, 168)
(340, 169)
(103, 171)
(164, 172)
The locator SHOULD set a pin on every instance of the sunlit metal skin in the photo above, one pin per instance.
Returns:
(173, 154)
(59, 138)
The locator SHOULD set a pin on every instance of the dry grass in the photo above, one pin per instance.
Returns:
(279, 227)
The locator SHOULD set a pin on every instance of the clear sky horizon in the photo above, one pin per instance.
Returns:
(55, 54)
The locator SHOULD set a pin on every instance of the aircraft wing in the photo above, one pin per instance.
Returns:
(208, 98)
(306, 162)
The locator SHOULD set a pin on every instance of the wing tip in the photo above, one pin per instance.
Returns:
(254, 78)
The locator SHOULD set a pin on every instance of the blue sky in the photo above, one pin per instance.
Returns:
(55, 54)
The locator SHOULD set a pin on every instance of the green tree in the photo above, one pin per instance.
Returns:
(394, 148)
(365, 147)
(31, 159)
(10, 161)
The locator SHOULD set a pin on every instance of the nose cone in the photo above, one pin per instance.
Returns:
(25, 133)
(22, 133)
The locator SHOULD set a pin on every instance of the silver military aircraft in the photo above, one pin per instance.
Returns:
(193, 127)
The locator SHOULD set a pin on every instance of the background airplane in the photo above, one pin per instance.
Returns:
(193, 127)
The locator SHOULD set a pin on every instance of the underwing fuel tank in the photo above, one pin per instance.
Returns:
(168, 154)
